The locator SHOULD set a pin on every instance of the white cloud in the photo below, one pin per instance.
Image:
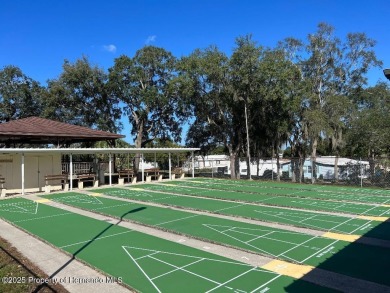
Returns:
(109, 48)
(150, 39)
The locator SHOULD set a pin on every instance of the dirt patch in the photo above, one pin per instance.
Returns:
(18, 274)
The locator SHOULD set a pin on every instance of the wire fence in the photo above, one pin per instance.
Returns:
(361, 172)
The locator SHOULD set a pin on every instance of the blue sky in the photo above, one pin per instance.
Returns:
(38, 35)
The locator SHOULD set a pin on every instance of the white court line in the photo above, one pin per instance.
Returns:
(91, 240)
(262, 236)
(228, 229)
(360, 226)
(239, 240)
(15, 205)
(342, 223)
(141, 257)
(297, 245)
(45, 217)
(385, 212)
(177, 220)
(198, 257)
(265, 284)
(287, 219)
(241, 204)
(114, 206)
(305, 219)
(232, 279)
(154, 285)
(269, 238)
(184, 270)
(199, 260)
(376, 206)
(318, 251)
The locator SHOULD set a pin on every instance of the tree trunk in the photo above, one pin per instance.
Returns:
(301, 163)
(248, 168)
(138, 144)
(336, 168)
(371, 161)
(232, 165)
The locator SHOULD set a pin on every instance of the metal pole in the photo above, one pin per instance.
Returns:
(170, 167)
(142, 169)
(361, 173)
(22, 166)
(110, 169)
(212, 171)
(272, 168)
(71, 171)
(193, 164)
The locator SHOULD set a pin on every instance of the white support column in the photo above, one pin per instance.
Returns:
(110, 169)
(170, 166)
(22, 170)
(71, 171)
(193, 164)
(142, 167)
(155, 160)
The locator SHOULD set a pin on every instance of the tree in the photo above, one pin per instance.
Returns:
(281, 89)
(80, 96)
(244, 66)
(144, 84)
(333, 71)
(20, 96)
(207, 83)
(369, 130)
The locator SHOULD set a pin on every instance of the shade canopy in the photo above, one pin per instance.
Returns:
(91, 151)
(36, 130)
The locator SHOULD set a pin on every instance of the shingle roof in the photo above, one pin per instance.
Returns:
(36, 129)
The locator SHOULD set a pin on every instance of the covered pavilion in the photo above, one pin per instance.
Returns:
(36, 163)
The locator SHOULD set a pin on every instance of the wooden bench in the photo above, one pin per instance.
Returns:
(126, 174)
(153, 173)
(3, 189)
(87, 178)
(178, 173)
(62, 178)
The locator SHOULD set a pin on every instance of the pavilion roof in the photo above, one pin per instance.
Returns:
(36, 130)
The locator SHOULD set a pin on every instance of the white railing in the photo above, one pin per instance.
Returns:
(78, 167)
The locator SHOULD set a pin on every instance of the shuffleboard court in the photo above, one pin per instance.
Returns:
(277, 243)
(259, 188)
(285, 201)
(300, 186)
(305, 219)
(144, 262)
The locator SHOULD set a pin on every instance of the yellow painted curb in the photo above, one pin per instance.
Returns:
(287, 269)
(42, 200)
(345, 237)
(372, 218)
(386, 205)
(94, 194)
